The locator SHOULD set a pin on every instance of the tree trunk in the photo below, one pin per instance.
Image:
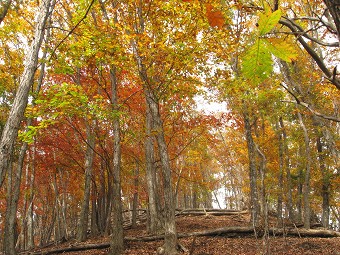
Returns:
(16, 114)
(280, 179)
(254, 203)
(117, 239)
(325, 184)
(14, 187)
(30, 219)
(291, 215)
(135, 196)
(10, 217)
(89, 156)
(306, 190)
(155, 223)
(170, 238)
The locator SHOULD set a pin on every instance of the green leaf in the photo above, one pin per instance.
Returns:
(257, 64)
(281, 49)
(268, 21)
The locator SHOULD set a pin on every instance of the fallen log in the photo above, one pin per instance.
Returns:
(302, 232)
(226, 231)
(82, 247)
(211, 212)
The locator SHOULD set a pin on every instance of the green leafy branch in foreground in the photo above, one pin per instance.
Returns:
(257, 63)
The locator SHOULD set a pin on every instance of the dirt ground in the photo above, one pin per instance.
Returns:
(213, 245)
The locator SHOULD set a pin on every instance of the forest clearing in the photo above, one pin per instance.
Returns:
(114, 113)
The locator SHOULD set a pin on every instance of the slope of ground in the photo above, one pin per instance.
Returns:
(219, 244)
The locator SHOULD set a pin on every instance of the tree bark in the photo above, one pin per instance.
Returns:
(280, 179)
(170, 237)
(155, 223)
(117, 239)
(16, 114)
(254, 203)
(290, 209)
(89, 156)
(325, 184)
(306, 190)
(13, 191)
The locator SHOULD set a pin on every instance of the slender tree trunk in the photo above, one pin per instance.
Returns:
(135, 196)
(94, 211)
(254, 203)
(10, 217)
(280, 179)
(306, 191)
(85, 208)
(14, 190)
(16, 114)
(287, 171)
(264, 205)
(117, 239)
(300, 186)
(325, 184)
(30, 221)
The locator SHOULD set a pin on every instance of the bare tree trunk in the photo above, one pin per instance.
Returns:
(14, 187)
(135, 196)
(155, 223)
(287, 170)
(30, 210)
(117, 239)
(170, 235)
(16, 114)
(94, 211)
(10, 217)
(280, 179)
(89, 156)
(325, 184)
(306, 190)
(254, 203)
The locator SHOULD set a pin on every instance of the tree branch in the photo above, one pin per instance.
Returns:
(332, 78)
(74, 28)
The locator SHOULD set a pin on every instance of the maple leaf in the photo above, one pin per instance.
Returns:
(215, 18)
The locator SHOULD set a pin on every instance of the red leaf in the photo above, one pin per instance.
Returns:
(215, 18)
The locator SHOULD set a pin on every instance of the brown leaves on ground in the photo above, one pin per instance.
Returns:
(216, 245)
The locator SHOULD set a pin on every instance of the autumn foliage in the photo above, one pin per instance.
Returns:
(246, 95)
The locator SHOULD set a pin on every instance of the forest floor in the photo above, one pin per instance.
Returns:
(218, 244)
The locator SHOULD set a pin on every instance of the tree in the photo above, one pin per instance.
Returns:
(10, 131)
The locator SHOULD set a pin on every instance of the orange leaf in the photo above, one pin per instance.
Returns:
(215, 18)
